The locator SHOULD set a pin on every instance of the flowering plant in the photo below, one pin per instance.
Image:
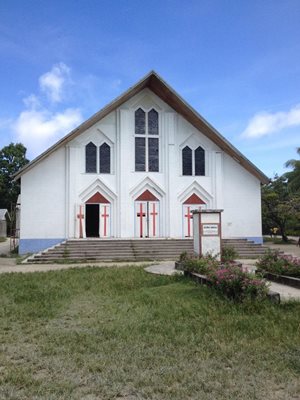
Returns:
(237, 284)
(227, 278)
(281, 264)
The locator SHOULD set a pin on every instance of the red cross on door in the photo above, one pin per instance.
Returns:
(188, 216)
(80, 217)
(147, 218)
(141, 208)
(104, 220)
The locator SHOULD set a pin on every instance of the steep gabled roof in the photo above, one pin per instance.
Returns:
(155, 83)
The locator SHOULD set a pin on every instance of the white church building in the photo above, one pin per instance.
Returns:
(136, 169)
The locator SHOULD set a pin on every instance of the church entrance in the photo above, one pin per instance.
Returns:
(92, 220)
(98, 217)
(192, 203)
(147, 216)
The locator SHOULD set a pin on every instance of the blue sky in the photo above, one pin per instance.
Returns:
(237, 62)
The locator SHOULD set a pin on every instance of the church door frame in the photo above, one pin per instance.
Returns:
(147, 219)
(104, 220)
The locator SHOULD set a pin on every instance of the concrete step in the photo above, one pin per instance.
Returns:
(136, 249)
(109, 250)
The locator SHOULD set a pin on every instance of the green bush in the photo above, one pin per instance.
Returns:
(280, 264)
(228, 254)
(201, 265)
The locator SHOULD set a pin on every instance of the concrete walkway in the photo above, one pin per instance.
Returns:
(286, 292)
(163, 268)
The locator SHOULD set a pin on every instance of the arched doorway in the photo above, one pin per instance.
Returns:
(194, 202)
(97, 216)
(147, 215)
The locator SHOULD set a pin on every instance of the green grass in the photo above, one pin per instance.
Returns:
(125, 334)
(2, 239)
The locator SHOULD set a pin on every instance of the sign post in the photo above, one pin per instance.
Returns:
(207, 232)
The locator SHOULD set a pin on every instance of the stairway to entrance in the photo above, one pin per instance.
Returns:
(134, 250)
(115, 250)
(245, 248)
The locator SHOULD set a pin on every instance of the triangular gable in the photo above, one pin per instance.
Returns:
(158, 86)
(97, 198)
(147, 196)
(194, 199)
(147, 184)
(97, 187)
(195, 188)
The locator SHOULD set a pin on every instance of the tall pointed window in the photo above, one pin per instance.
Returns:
(104, 154)
(146, 141)
(187, 163)
(140, 122)
(90, 157)
(153, 122)
(199, 161)
(193, 161)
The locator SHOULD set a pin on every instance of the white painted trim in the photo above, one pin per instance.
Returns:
(147, 183)
(199, 190)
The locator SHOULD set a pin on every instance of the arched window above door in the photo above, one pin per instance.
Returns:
(187, 163)
(90, 157)
(199, 161)
(193, 161)
(104, 153)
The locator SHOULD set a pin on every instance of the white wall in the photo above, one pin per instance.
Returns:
(242, 201)
(43, 199)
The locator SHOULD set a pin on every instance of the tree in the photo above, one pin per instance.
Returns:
(12, 159)
(279, 206)
(293, 176)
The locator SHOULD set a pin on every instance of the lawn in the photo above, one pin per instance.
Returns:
(125, 334)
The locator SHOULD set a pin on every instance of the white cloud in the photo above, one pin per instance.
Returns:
(52, 83)
(32, 101)
(38, 126)
(264, 123)
(38, 129)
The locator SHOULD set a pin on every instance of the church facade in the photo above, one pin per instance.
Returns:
(137, 169)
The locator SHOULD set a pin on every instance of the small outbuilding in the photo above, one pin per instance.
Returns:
(3, 223)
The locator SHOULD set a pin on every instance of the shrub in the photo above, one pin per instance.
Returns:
(237, 284)
(183, 256)
(228, 254)
(281, 264)
(201, 265)
(228, 279)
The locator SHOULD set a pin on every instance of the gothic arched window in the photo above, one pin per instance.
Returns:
(199, 161)
(104, 154)
(90, 158)
(153, 122)
(146, 141)
(140, 122)
(187, 163)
